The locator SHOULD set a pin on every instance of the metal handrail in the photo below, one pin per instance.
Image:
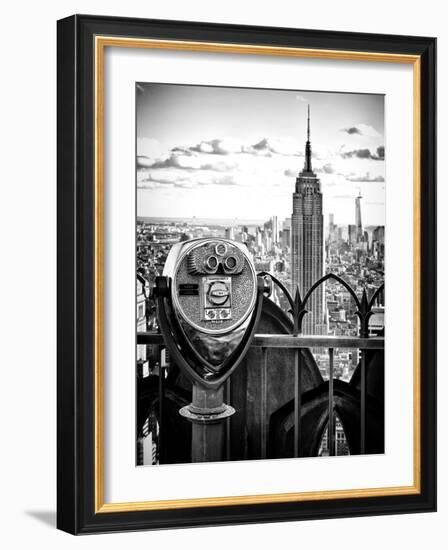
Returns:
(288, 341)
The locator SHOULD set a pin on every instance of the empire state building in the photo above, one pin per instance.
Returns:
(307, 241)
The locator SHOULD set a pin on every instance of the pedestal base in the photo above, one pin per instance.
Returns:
(207, 413)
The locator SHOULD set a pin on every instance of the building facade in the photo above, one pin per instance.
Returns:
(307, 241)
(358, 220)
(142, 362)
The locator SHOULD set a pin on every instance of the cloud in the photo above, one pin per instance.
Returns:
(362, 130)
(216, 162)
(219, 166)
(290, 173)
(184, 159)
(263, 147)
(271, 164)
(184, 150)
(352, 130)
(150, 151)
(364, 153)
(144, 162)
(279, 146)
(301, 98)
(227, 180)
(327, 168)
(177, 178)
(147, 179)
(357, 153)
(218, 147)
(365, 178)
(204, 147)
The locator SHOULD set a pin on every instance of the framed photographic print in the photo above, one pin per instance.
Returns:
(241, 213)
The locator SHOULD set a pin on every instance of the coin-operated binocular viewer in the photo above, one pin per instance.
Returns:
(209, 302)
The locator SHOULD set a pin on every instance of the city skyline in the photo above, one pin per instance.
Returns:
(313, 187)
(189, 162)
(239, 222)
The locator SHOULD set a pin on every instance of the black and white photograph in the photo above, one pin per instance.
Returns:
(225, 216)
(260, 214)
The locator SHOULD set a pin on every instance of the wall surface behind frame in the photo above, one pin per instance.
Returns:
(27, 278)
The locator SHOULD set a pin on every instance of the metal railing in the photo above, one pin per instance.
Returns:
(297, 342)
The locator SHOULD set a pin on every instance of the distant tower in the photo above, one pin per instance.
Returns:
(358, 221)
(307, 241)
(331, 228)
(275, 230)
(230, 233)
(259, 237)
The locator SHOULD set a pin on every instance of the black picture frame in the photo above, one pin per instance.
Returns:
(76, 510)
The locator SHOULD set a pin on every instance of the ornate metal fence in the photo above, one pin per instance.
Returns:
(296, 342)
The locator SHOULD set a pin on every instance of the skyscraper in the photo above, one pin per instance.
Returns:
(352, 234)
(332, 237)
(230, 233)
(358, 221)
(275, 230)
(307, 240)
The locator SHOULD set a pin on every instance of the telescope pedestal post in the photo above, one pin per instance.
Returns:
(207, 412)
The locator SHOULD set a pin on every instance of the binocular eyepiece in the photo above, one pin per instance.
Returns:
(216, 257)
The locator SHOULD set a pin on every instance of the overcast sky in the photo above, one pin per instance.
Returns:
(234, 152)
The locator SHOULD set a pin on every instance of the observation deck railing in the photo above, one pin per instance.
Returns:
(297, 341)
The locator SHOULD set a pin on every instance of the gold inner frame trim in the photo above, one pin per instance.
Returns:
(101, 42)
